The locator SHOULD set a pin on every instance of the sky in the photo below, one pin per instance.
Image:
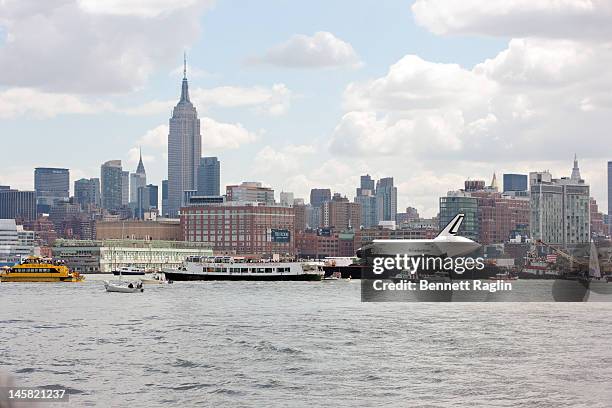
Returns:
(302, 95)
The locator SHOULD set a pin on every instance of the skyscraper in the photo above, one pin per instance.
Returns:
(365, 196)
(125, 188)
(87, 192)
(164, 209)
(51, 185)
(319, 195)
(209, 177)
(515, 182)
(609, 188)
(111, 179)
(386, 199)
(15, 204)
(184, 149)
(137, 180)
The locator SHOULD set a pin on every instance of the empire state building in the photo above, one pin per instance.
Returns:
(184, 149)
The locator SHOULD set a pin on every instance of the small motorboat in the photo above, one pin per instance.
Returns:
(128, 271)
(333, 277)
(155, 278)
(123, 286)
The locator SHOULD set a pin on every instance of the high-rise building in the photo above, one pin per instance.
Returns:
(369, 210)
(51, 185)
(15, 204)
(111, 185)
(366, 183)
(318, 196)
(515, 182)
(184, 149)
(339, 213)
(365, 196)
(250, 191)
(386, 199)
(610, 188)
(137, 180)
(286, 198)
(559, 208)
(87, 192)
(125, 188)
(164, 209)
(209, 177)
(146, 200)
(460, 202)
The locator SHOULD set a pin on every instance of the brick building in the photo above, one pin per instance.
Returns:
(241, 228)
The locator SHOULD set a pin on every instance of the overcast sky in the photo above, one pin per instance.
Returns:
(312, 94)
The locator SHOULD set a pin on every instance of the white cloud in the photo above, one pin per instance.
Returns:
(274, 100)
(271, 160)
(114, 46)
(321, 50)
(27, 101)
(156, 138)
(224, 136)
(140, 8)
(413, 84)
(588, 19)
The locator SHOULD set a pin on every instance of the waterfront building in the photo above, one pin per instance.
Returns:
(314, 245)
(105, 256)
(250, 191)
(386, 199)
(137, 180)
(244, 228)
(15, 242)
(184, 149)
(162, 229)
(51, 185)
(87, 192)
(339, 213)
(286, 198)
(15, 204)
(560, 208)
(111, 185)
(318, 196)
(460, 202)
(515, 182)
(209, 177)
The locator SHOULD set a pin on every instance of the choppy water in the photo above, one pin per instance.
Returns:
(300, 344)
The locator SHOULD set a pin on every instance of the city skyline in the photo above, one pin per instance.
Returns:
(455, 101)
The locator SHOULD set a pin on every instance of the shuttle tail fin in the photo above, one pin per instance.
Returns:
(452, 228)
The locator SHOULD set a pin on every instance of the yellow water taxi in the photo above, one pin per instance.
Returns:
(37, 269)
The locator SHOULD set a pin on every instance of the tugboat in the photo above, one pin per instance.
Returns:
(37, 269)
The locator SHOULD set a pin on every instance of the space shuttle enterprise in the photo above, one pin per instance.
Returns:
(448, 244)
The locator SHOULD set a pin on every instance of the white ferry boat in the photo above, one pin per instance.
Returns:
(234, 268)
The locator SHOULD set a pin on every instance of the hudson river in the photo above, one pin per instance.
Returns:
(300, 344)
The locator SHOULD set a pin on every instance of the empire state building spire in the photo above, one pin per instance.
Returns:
(185, 87)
